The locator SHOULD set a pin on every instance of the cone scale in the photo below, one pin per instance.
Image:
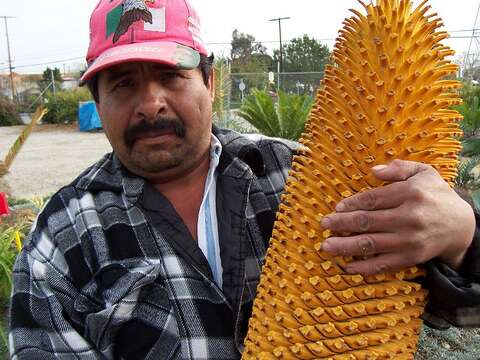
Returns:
(387, 96)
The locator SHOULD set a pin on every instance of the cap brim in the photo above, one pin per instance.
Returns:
(164, 52)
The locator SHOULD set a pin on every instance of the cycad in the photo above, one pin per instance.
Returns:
(467, 178)
(285, 119)
(384, 98)
(470, 125)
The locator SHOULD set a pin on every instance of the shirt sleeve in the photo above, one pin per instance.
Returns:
(42, 324)
(455, 295)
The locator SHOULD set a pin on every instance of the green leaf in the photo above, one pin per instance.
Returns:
(466, 177)
(284, 119)
(476, 199)
(259, 110)
(471, 147)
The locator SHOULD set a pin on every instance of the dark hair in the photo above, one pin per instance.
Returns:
(205, 66)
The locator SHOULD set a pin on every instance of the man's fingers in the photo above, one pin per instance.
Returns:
(362, 221)
(388, 196)
(399, 170)
(385, 197)
(381, 264)
(363, 245)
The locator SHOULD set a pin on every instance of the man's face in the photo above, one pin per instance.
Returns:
(157, 119)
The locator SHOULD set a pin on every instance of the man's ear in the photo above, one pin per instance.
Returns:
(211, 84)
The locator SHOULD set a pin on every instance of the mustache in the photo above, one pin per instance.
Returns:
(160, 125)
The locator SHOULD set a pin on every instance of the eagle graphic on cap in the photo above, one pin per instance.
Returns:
(133, 10)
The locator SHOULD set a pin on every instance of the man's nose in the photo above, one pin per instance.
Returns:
(151, 100)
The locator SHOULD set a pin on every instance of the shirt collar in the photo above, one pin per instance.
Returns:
(215, 151)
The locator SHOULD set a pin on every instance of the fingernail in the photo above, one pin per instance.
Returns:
(379, 167)
(326, 246)
(326, 222)
(340, 207)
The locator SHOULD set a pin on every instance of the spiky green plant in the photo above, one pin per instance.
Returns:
(470, 110)
(467, 179)
(285, 118)
(10, 245)
(11, 242)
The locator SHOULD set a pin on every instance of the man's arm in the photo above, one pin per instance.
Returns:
(415, 219)
(42, 301)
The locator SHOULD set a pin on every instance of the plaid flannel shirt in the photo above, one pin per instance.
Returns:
(96, 280)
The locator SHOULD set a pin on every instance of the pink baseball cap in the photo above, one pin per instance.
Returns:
(163, 31)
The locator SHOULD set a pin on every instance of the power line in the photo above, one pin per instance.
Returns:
(467, 30)
(60, 53)
(47, 63)
(473, 36)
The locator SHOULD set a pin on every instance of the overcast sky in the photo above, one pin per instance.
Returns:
(57, 30)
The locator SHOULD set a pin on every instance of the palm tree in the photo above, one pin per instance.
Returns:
(285, 118)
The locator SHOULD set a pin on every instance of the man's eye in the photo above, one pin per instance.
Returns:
(170, 76)
(123, 83)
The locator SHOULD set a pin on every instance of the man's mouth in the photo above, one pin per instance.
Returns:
(154, 134)
(153, 137)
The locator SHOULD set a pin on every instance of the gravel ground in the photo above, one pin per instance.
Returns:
(52, 157)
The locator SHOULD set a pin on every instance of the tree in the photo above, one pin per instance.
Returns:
(247, 55)
(304, 54)
(47, 78)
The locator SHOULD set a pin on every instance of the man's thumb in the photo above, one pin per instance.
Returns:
(398, 170)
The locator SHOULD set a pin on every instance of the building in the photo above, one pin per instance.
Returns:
(25, 85)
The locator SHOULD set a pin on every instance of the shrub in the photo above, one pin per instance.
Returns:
(63, 107)
(8, 113)
(11, 239)
(285, 118)
(10, 245)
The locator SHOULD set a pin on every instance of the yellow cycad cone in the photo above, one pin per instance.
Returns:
(386, 97)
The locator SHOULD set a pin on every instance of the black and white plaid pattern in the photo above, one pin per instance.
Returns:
(96, 280)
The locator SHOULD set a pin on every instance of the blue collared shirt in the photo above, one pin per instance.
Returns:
(207, 226)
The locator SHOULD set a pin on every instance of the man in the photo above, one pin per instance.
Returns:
(155, 251)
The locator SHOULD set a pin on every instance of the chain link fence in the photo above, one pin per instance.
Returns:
(293, 83)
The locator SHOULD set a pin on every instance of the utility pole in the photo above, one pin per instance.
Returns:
(467, 63)
(9, 55)
(280, 66)
(53, 84)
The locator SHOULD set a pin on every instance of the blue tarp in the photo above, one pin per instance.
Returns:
(88, 118)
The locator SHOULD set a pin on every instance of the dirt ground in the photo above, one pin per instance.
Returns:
(53, 156)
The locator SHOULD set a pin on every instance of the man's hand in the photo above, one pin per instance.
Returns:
(415, 218)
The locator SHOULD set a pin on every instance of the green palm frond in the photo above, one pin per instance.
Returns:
(471, 147)
(467, 178)
(259, 110)
(285, 119)
(470, 111)
(293, 111)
